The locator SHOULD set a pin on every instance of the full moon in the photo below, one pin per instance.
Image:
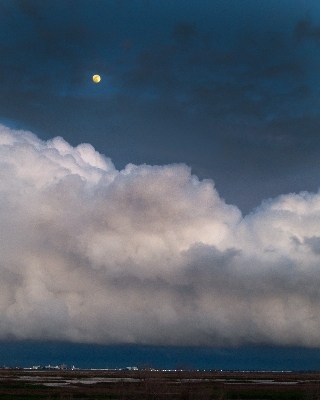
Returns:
(96, 78)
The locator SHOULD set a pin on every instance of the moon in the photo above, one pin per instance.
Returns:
(96, 78)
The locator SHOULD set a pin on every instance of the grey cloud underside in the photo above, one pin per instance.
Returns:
(149, 254)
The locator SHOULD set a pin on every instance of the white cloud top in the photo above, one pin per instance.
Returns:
(148, 255)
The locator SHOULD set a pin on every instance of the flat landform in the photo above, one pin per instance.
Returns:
(154, 384)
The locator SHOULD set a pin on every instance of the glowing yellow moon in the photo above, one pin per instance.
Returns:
(96, 78)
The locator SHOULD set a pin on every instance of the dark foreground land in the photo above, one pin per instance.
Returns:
(88, 384)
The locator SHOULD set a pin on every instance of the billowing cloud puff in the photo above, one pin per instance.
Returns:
(148, 255)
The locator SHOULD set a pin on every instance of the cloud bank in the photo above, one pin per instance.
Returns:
(148, 255)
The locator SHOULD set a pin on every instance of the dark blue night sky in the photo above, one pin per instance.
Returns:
(231, 88)
(178, 204)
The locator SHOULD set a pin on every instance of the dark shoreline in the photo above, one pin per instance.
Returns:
(151, 384)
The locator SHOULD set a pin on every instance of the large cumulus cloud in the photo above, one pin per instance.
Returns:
(149, 254)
